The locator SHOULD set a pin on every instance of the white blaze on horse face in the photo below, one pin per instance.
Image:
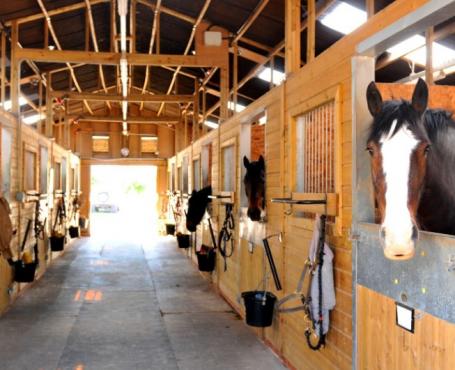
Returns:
(396, 153)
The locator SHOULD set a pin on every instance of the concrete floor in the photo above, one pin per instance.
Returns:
(117, 305)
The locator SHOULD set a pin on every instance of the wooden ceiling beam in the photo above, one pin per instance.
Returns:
(187, 48)
(150, 98)
(51, 13)
(153, 35)
(253, 73)
(95, 46)
(59, 47)
(249, 22)
(108, 58)
(143, 120)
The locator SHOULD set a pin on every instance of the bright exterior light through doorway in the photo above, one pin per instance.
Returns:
(123, 202)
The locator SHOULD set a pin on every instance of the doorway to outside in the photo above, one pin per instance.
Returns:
(123, 202)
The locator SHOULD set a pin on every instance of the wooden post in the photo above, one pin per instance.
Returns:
(370, 8)
(112, 25)
(40, 105)
(3, 68)
(292, 35)
(429, 35)
(87, 31)
(272, 69)
(158, 32)
(185, 120)
(49, 112)
(204, 109)
(235, 77)
(311, 31)
(195, 110)
(224, 92)
(15, 71)
(46, 34)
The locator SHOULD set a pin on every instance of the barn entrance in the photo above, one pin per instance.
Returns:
(123, 202)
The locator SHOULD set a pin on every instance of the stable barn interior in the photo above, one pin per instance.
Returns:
(194, 109)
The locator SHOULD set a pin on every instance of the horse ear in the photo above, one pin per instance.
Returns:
(261, 161)
(374, 99)
(246, 162)
(193, 192)
(420, 96)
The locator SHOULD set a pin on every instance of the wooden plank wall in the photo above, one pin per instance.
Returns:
(326, 77)
(31, 140)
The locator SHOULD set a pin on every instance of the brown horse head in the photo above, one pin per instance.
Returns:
(398, 145)
(255, 187)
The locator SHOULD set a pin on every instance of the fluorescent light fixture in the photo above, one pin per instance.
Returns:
(238, 108)
(100, 137)
(344, 18)
(124, 126)
(278, 76)
(30, 120)
(149, 138)
(122, 7)
(415, 50)
(211, 124)
(124, 109)
(263, 120)
(8, 103)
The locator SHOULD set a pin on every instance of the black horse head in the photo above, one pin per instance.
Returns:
(197, 204)
(255, 186)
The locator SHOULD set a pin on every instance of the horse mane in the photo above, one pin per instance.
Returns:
(437, 122)
(399, 110)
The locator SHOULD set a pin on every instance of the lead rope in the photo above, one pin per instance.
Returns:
(321, 338)
(226, 235)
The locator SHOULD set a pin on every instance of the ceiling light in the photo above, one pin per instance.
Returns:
(238, 107)
(344, 18)
(149, 138)
(211, 124)
(100, 137)
(122, 7)
(278, 76)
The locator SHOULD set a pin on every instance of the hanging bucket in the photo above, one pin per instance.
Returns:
(170, 229)
(206, 258)
(83, 222)
(183, 240)
(74, 232)
(24, 272)
(259, 308)
(57, 243)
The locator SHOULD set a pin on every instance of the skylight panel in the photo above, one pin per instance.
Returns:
(8, 103)
(211, 124)
(415, 50)
(238, 108)
(344, 18)
(278, 76)
(30, 120)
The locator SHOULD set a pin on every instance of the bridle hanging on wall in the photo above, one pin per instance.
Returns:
(226, 236)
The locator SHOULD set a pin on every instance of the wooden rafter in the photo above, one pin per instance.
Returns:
(187, 48)
(253, 73)
(108, 58)
(150, 98)
(59, 47)
(95, 45)
(153, 36)
(144, 120)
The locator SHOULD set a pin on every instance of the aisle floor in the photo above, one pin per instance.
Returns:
(117, 305)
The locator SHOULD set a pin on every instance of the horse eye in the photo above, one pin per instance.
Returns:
(427, 149)
(370, 150)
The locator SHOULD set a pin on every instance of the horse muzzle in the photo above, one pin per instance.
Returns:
(399, 245)
(254, 214)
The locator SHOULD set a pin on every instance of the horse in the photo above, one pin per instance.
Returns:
(197, 204)
(412, 151)
(254, 182)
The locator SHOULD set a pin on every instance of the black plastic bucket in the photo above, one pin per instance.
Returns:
(259, 308)
(74, 232)
(183, 240)
(83, 222)
(170, 229)
(24, 272)
(206, 259)
(57, 243)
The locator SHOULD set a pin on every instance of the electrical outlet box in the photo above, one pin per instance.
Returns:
(405, 317)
